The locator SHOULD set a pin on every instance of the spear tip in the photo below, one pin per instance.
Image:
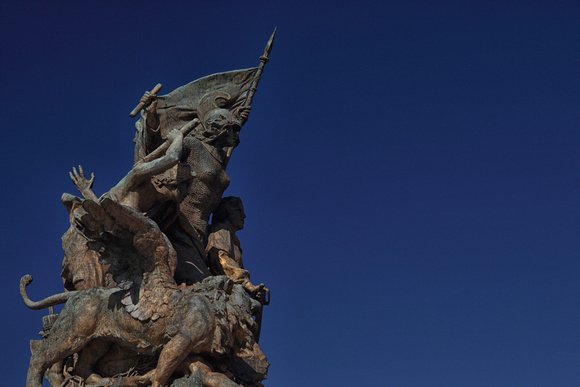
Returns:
(270, 44)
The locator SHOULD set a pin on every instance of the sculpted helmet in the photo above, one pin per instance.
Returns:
(215, 118)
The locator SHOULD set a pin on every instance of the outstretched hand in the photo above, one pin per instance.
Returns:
(80, 180)
(83, 185)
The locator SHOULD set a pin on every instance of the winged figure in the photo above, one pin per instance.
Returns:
(147, 312)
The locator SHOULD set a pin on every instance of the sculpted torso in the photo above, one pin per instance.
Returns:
(209, 183)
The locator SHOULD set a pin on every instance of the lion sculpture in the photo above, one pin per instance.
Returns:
(148, 313)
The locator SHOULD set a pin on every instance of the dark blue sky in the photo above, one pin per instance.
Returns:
(410, 172)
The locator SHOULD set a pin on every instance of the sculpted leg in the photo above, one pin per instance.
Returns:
(55, 374)
(90, 355)
(210, 378)
(35, 372)
(69, 334)
(195, 334)
(172, 355)
(50, 353)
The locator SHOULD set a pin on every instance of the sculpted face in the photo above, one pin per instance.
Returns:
(237, 216)
(223, 124)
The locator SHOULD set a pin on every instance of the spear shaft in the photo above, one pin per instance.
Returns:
(263, 60)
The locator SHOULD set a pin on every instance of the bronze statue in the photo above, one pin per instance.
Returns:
(150, 299)
(209, 143)
(149, 313)
(153, 187)
(225, 253)
(222, 103)
(224, 250)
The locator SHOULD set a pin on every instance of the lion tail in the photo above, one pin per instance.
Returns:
(56, 299)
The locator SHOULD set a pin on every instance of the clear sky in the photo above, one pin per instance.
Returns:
(410, 172)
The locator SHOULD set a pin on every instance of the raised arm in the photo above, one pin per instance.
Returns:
(148, 136)
(163, 163)
(149, 101)
(146, 169)
(84, 186)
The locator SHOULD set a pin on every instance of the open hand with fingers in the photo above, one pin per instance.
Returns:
(82, 183)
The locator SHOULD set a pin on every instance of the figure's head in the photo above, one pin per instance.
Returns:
(173, 184)
(230, 210)
(218, 123)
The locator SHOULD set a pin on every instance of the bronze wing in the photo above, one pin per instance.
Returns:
(138, 254)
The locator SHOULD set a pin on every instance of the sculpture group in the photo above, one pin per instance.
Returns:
(155, 295)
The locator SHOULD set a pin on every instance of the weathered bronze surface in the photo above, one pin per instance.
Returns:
(153, 295)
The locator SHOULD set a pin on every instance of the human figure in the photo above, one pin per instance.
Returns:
(211, 145)
(154, 188)
(81, 268)
(223, 247)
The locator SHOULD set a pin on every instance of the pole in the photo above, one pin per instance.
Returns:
(263, 60)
